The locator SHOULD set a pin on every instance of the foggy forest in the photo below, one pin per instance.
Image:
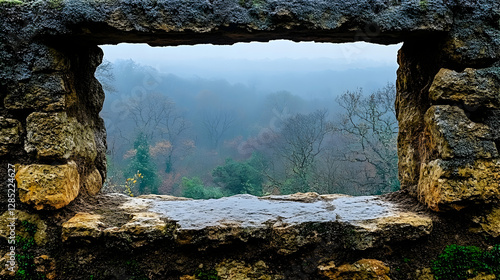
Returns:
(256, 130)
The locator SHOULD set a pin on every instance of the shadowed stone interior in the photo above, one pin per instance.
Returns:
(448, 108)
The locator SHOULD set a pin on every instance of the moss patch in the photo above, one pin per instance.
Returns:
(11, 2)
(25, 257)
(464, 262)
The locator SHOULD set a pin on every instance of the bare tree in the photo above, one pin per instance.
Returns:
(104, 73)
(284, 103)
(370, 125)
(299, 143)
(159, 119)
(217, 124)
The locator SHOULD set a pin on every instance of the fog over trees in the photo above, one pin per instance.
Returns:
(322, 130)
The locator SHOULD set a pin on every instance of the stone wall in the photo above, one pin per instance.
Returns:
(448, 86)
(50, 99)
(448, 113)
(53, 132)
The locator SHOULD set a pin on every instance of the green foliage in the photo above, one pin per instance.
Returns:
(463, 262)
(206, 274)
(135, 270)
(142, 163)
(56, 4)
(11, 2)
(53, 4)
(370, 124)
(295, 184)
(423, 4)
(256, 4)
(240, 177)
(194, 188)
(25, 258)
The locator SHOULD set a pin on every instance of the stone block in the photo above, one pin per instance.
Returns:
(456, 183)
(92, 183)
(368, 269)
(48, 59)
(474, 38)
(40, 236)
(10, 134)
(46, 92)
(474, 88)
(453, 135)
(235, 269)
(55, 135)
(82, 225)
(488, 223)
(48, 186)
(492, 120)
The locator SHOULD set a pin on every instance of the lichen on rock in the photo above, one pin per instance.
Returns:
(60, 136)
(239, 270)
(457, 183)
(7, 217)
(488, 223)
(92, 183)
(10, 134)
(364, 269)
(475, 88)
(44, 92)
(454, 135)
(48, 186)
(447, 106)
(82, 225)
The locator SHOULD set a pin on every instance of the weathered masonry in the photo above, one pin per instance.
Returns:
(448, 108)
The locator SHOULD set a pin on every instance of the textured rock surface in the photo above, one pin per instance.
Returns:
(49, 54)
(48, 186)
(447, 107)
(83, 225)
(454, 135)
(418, 64)
(284, 222)
(474, 88)
(231, 21)
(455, 183)
(40, 236)
(10, 134)
(489, 222)
(365, 269)
(46, 92)
(57, 135)
(240, 270)
(474, 38)
(93, 182)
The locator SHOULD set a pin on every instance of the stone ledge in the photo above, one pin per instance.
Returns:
(285, 223)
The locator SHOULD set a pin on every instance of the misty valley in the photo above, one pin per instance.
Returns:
(266, 132)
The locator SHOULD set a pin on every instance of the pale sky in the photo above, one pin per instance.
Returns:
(262, 63)
(344, 54)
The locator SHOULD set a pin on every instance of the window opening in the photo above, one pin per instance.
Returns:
(281, 117)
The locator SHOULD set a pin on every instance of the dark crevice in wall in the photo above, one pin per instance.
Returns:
(476, 114)
(51, 161)
(21, 115)
(419, 62)
(231, 33)
(3, 93)
(461, 68)
(480, 64)
(493, 122)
